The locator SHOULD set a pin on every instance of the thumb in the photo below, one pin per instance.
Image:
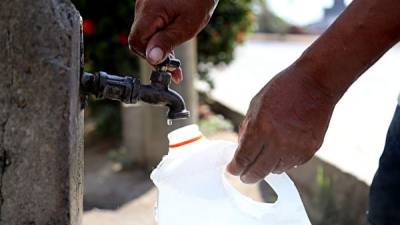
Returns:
(143, 29)
(164, 41)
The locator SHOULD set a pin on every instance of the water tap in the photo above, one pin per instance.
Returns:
(130, 90)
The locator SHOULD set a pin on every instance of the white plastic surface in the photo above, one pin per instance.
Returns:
(193, 191)
(183, 134)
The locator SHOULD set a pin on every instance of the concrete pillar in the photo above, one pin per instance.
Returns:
(41, 135)
(145, 128)
(187, 53)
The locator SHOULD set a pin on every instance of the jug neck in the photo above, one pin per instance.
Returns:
(184, 138)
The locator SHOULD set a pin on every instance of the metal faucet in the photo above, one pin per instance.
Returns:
(129, 90)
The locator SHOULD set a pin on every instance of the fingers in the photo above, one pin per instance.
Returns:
(177, 75)
(143, 28)
(143, 32)
(285, 164)
(256, 157)
(160, 25)
(165, 40)
(154, 38)
(291, 159)
(264, 164)
(249, 149)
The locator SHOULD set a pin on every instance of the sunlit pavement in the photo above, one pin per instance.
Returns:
(356, 135)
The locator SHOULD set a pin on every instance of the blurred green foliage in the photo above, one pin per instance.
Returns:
(231, 22)
(214, 124)
(229, 26)
(326, 196)
(106, 28)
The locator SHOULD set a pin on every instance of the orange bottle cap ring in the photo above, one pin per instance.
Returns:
(186, 142)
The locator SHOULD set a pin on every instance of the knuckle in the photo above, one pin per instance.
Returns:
(316, 144)
(280, 167)
(292, 160)
(132, 39)
(168, 41)
(138, 4)
(242, 160)
(257, 173)
(307, 156)
(135, 46)
(254, 100)
(243, 125)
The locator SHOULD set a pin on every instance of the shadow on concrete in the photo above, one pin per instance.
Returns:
(107, 186)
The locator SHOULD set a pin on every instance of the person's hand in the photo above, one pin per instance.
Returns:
(160, 25)
(284, 126)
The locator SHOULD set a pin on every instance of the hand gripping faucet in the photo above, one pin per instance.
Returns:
(130, 90)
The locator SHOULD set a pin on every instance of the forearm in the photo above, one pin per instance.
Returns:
(358, 38)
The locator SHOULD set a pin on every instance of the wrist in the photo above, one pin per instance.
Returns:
(320, 73)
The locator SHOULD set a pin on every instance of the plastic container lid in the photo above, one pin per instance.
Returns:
(184, 136)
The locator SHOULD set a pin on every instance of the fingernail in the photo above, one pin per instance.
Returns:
(155, 55)
(246, 179)
(232, 169)
(177, 75)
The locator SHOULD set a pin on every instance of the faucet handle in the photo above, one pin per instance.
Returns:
(170, 64)
(162, 73)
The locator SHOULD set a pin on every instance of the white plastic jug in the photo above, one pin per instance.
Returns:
(193, 190)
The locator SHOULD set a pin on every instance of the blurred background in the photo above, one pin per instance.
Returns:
(246, 43)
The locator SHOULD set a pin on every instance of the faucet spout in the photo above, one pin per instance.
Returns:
(158, 92)
(170, 98)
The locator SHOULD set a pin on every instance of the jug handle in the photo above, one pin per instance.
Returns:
(285, 189)
(281, 183)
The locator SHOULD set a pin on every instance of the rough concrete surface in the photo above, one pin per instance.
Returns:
(41, 146)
